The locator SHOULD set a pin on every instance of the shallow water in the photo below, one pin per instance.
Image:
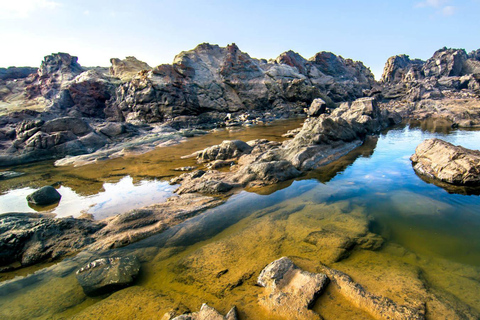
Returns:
(115, 186)
(432, 243)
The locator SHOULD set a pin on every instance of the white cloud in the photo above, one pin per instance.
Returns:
(431, 3)
(448, 10)
(24, 8)
(439, 6)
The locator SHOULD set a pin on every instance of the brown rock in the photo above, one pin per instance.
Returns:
(441, 160)
(206, 313)
(379, 307)
(290, 291)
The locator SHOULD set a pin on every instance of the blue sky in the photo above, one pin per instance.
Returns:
(155, 31)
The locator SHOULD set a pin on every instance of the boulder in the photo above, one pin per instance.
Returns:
(206, 313)
(4, 175)
(44, 196)
(317, 108)
(228, 149)
(444, 161)
(106, 275)
(290, 291)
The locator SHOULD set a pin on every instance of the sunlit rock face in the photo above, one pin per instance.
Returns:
(216, 79)
(446, 162)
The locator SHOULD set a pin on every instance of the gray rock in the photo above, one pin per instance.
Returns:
(226, 150)
(30, 238)
(290, 291)
(106, 275)
(445, 62)
(113, 129)
(444, 161)
(75, 125)
(44, 196)
(317, 108)
(206, 313)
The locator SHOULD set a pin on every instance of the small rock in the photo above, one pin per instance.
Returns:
(291, 292)
(208, 313)
(44, 196)
(108, 274)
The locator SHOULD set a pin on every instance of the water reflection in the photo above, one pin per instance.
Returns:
(115, 198)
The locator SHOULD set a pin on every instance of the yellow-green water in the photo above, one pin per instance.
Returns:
(430, 254)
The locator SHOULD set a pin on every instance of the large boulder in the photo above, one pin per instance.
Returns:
(12, 73)
(441, 160)
(290, 291)
(44, 196)
(108, 274)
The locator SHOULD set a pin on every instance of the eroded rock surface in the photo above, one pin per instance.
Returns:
(108, 274)
(291, 292)
(441, 160)
(27, 238)
(206, 313)
(379, 307)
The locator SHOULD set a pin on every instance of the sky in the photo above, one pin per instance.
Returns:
(155, 31)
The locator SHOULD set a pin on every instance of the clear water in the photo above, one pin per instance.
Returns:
(432, 243)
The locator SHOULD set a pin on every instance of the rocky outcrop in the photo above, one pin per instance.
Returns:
(444, 161)
(15, 73)
(210, 78)
(320, 141)
(127, 68)
(290, 291)
(44, 196)
(106, 275)
(36, 140)
(206, 313)
(445, 62)
(27, 239)
(401, 69)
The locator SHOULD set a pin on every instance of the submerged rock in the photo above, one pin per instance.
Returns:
(44, 196)
(206, 313)
(108, 274)
(441, 160)
(379, 307)
(291, 292)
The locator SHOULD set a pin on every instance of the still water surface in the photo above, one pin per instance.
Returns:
(431, 233)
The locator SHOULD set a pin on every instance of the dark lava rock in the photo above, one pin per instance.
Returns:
(106, 275)
(44, 196)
